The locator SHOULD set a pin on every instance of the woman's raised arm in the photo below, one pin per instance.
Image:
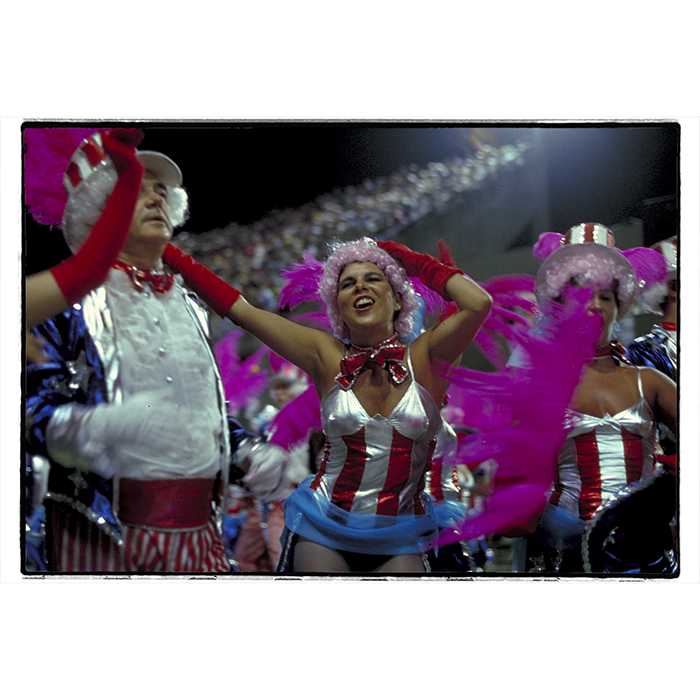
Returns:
(451, 337)
(308, 348)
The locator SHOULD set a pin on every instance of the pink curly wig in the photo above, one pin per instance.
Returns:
(366, 250)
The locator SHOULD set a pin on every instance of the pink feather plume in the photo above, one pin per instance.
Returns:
(242, 381)
(649, 266)
(302, 283)
(498, 333)
(292, 425)
(546, 244)
(47, 153)
(519, 413)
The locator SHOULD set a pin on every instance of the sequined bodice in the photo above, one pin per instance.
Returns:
(602, 455)
(376, 464)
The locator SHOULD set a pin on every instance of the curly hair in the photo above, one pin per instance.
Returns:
(85, 205)
(365, 249)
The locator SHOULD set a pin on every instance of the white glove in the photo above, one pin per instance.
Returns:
(265, 477)
(88, 437)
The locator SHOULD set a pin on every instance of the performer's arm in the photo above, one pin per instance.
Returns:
(62, 423)
(59, 419)
(448, 340)
(451, 337)
(305, 347)
(663, 394)
(51, 291)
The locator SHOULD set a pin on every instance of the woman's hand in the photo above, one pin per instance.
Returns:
(430, 270)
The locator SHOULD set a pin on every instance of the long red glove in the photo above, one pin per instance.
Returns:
(431, 272)
(215, 292)
(88, 268)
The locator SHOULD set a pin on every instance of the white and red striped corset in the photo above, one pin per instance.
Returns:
(377, 465)
(603, 455)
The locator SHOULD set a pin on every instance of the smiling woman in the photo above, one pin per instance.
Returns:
(611, 442)
(381, 384)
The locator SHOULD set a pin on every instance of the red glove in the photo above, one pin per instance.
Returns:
(120, 145)
(431, 272)
(216, 293)
(668, 461)
(88, 268)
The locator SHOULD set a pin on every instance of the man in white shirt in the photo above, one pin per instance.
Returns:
(129, 408)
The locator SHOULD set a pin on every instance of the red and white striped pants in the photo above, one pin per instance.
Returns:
(76, 545)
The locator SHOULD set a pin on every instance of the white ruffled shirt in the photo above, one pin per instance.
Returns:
(161, 349)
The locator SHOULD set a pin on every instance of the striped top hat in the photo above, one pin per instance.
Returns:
(586, 254)
(85, 159)
(90, 154)
(589, 233)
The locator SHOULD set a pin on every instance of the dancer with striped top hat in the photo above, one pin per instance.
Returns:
(611, 441)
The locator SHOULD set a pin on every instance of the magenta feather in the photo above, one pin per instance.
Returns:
(302, 283)
(511, 301)
(47, 153)
(519, 414)
(546, 244)
(490, 348)
(292, 425)
(242, 381)
(649, 265)
(226, 352)
(277, 362)
(504, 318)
(434, 303)
(250, 381)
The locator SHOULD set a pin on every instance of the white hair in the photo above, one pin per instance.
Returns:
(86, 203)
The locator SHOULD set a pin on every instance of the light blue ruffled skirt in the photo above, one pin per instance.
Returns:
(311, 515)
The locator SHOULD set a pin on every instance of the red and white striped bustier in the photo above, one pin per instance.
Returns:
(603, 455)
(376, 464)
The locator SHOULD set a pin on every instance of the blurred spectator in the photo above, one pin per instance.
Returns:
(251, 257)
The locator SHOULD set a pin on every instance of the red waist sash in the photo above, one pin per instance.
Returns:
(166, 503)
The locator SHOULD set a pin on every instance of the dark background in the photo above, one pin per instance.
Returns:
(240, 172)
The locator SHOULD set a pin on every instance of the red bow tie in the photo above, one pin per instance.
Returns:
(159, 282)
(388, 355)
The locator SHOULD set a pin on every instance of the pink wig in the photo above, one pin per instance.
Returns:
(366, 250)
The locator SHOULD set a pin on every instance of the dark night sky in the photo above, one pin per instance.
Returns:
(241, 172)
